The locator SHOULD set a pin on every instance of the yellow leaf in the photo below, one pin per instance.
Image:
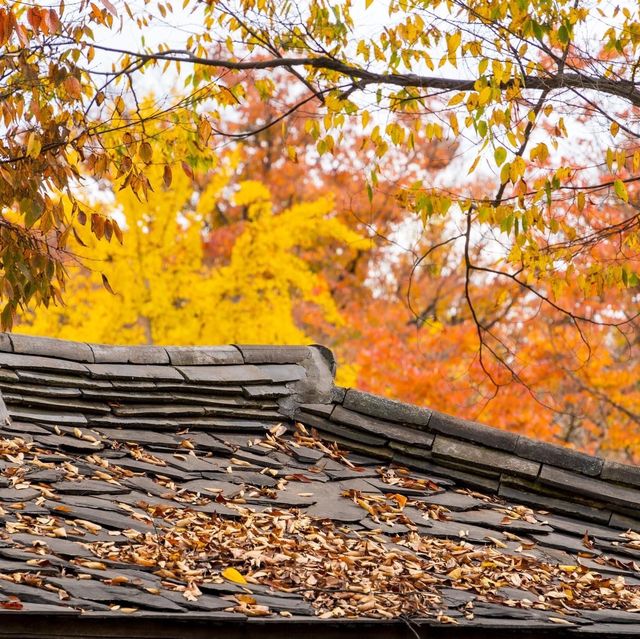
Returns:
(621, 190)
(363, 504)
(505, 172)
(233, 575)
(455, 574)
(456, 99)
(453, 41)
(484, 96)
(615, 127)
(33, 145)
(581, 201)
(568, 568)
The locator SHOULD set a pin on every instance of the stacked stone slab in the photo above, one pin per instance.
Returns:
(251, 388)
(218, 388)
(511, 465)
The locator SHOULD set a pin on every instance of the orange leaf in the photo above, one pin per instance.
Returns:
(13, 603)
(73, 87)
(401, 500)
(34, 17)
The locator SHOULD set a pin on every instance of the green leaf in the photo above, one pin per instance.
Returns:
(500, 155)
(537, 31)
(32, 208)
(563, 34)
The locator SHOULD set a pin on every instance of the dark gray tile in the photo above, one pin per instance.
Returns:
(93, 590)
(49, 347)
(621, 473)
(473, 431)
(384, 408)
(478, 456)
(46, 417)
(386, 430)
(35, 362)
(328, 428)
(13, 495)
(558, 456)
(134, 372)
(306, 454)
(129, 354)
(56, 545)
(455, 501)
(240, 374)
(258, 354)
(204, 355)
(567, 543)
(88, 487)
(594, 488)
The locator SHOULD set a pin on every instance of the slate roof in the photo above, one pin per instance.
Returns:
(133, 478)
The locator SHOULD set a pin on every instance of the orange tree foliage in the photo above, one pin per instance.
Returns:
(521, 286)
(409, 333)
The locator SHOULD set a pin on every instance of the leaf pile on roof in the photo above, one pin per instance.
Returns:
(282, 524)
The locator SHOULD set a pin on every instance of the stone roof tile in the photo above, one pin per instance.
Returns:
(117, 448)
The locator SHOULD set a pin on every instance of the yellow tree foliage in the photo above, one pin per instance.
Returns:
(164, 290)
(521, 86)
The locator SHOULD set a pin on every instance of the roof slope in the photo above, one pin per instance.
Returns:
(132, 479)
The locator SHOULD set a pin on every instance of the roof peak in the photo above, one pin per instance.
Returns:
(224, 354)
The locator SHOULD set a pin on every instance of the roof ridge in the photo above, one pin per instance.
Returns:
(222, 354)
(512, 465)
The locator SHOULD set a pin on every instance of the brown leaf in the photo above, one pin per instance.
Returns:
(105, 283)
(110, 8)
(77, 237)
(167, 176)
(187, 169)
(146, 152)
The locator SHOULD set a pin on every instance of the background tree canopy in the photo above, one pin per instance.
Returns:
(444, 191)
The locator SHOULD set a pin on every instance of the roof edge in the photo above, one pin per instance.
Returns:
(541, 474)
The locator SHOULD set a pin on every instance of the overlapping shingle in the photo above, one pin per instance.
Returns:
(133, 478)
